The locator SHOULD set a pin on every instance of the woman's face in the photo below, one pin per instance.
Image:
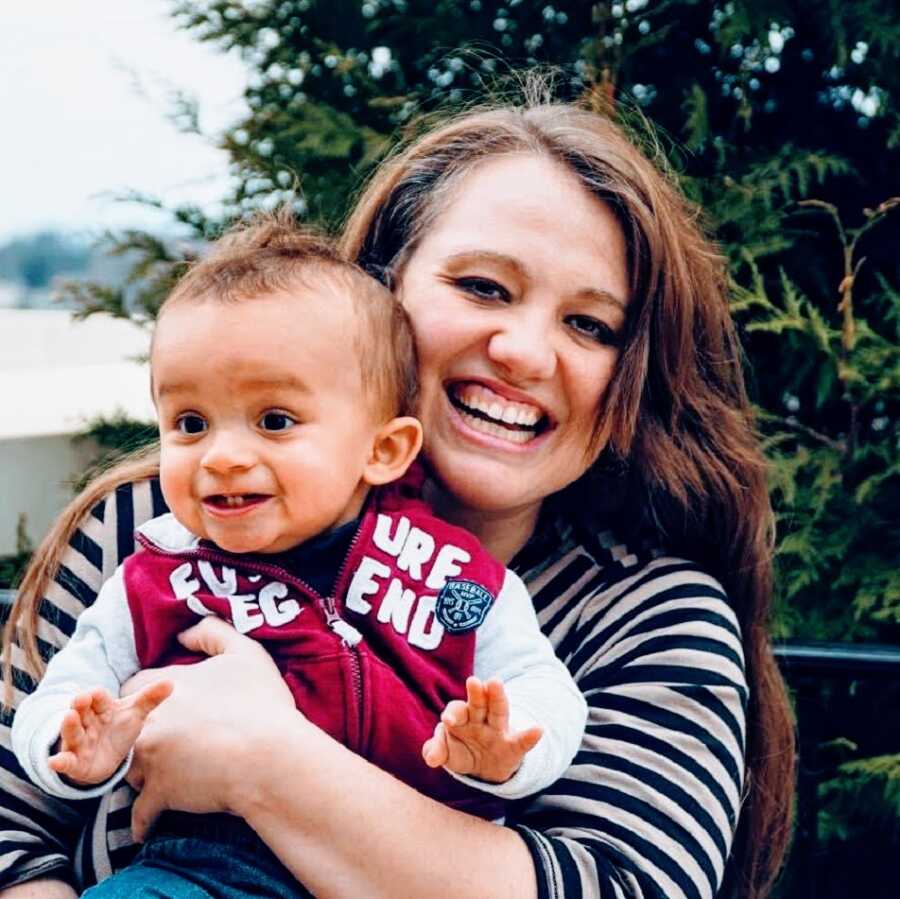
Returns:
(517, 295)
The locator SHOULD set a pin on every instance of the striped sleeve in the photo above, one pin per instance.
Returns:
(39, 834)
(649, 807)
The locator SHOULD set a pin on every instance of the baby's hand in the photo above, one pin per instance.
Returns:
(473, 737)
(99, 730)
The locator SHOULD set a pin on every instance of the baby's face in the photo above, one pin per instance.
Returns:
(264, 423)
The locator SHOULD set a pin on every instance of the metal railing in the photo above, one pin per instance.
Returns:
(805, 666)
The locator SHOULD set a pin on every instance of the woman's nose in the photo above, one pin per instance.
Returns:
(523, 347)
(228, 452)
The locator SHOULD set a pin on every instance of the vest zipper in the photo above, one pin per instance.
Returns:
(349, 636)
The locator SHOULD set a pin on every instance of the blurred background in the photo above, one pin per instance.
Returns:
(136, 131)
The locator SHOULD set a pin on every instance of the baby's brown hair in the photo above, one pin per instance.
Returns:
(272, 253)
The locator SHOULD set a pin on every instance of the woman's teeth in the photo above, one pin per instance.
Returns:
(487, 427)
(484, 411)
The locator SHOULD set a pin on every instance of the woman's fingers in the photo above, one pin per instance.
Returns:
(142, 679)
(193, 751)
(147, 808)
(146, 700)
(134, 776)
(213, 637)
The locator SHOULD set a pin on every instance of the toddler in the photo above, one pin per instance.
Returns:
(282, 376)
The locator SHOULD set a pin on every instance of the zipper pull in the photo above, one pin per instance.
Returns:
(346, 631)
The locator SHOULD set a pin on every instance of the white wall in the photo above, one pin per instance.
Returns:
(56, 375)
(36, 474)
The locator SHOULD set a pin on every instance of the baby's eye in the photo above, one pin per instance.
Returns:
(594, 328)
(483, 288)
(277, 421)
(191, 423)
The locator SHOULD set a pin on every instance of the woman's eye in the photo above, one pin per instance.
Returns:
(483, 288)
(277, 421)
(191, 423)
(594, 329)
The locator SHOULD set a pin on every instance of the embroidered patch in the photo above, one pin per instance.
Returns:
(462, 606)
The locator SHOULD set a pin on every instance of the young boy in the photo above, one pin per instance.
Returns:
(280, 374)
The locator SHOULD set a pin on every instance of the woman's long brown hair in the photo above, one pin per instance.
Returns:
(675, 418)
(675, 422)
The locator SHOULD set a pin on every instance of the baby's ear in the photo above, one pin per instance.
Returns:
(393, 450)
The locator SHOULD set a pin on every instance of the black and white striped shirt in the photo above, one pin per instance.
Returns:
(649, 806)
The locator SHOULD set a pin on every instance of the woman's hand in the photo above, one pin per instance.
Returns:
(229, 738)
(220, 722)
(42, 888)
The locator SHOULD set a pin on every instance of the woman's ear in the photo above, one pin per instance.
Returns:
(393, 450)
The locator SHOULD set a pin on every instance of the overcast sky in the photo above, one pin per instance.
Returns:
(77, 128)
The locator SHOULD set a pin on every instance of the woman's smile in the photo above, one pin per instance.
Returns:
(488, 411)
(517, 300)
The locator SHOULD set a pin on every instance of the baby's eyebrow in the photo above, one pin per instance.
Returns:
(286, 382)
(166, 389)
(281, 382)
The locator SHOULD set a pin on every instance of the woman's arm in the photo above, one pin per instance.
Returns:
(341, 825)
(367, 834)
(648, 808)
(41, 888)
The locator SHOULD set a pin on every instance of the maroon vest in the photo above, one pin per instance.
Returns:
(375, 663)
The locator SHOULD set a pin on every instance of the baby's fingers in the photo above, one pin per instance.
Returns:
(526, 740)
(101, 701)
(476, 697)
(497, 705)
(82, 702)
(456, 714)
(63, 762)
(71, 730)
(435, 750)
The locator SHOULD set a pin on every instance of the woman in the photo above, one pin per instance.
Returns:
(558, 287)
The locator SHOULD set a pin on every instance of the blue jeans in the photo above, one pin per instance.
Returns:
(201, 857)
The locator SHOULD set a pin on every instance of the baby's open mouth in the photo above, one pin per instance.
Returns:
(488, 412)
(234, 500)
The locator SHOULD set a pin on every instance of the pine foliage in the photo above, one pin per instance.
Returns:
(833, 445)
(862, 795)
